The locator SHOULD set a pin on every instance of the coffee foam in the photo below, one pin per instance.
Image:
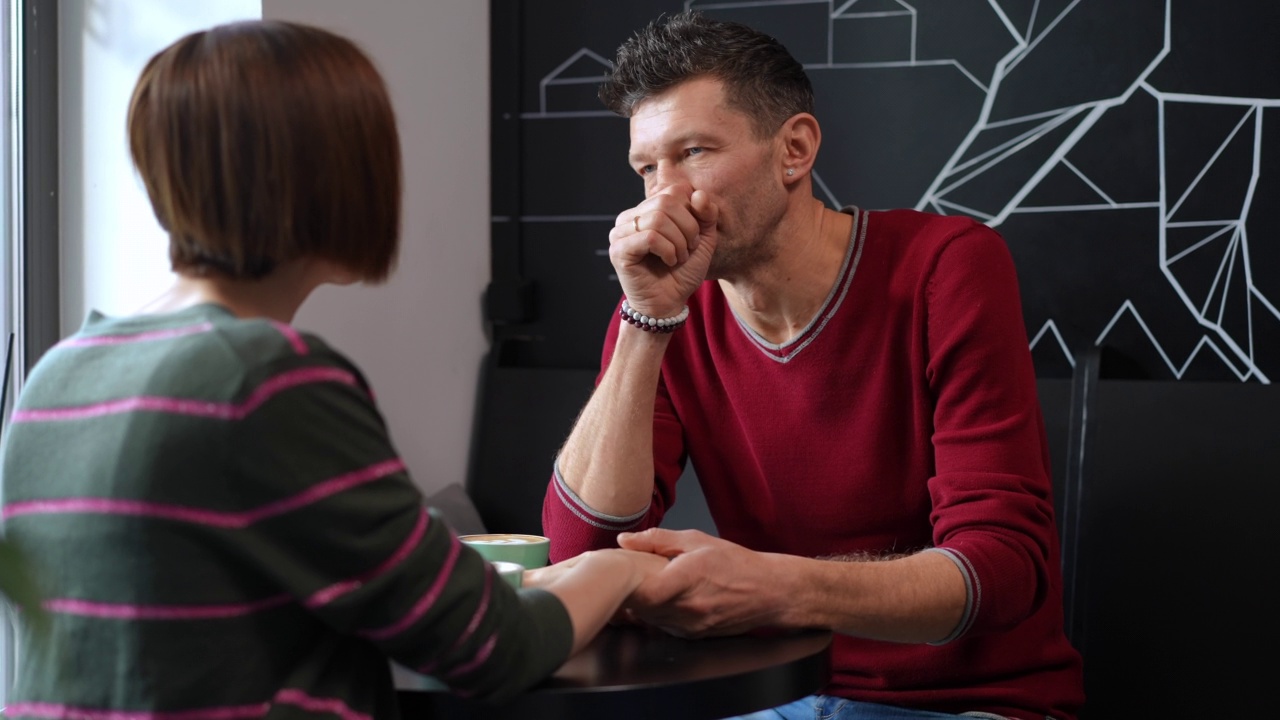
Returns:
(504, 539)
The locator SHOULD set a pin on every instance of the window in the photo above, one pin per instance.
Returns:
(8, 137)
(8, 248)
(28, 208)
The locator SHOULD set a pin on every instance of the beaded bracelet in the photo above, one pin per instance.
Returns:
(650, 324)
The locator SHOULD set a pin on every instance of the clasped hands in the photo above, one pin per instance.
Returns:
(693, 584)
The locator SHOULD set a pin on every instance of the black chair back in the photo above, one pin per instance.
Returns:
(1164, 493)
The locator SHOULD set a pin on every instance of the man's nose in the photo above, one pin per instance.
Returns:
(670, 179)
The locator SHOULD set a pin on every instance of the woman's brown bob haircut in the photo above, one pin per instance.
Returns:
(263, 142)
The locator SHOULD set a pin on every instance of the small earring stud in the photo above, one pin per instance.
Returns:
(791, 171)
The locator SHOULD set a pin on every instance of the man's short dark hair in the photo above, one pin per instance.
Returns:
(261, 142)
(761, 79)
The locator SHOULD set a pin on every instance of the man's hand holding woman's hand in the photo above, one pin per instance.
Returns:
(661, 248)
(685, 582)
(710, 587)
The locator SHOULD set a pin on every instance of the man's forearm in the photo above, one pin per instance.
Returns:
(920, 598)
(608, 459)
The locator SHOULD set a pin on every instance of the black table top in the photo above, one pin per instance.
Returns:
(631, 672)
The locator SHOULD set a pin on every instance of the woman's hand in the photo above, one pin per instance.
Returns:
(633, 566)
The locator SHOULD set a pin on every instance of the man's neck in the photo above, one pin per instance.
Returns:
(779, 300)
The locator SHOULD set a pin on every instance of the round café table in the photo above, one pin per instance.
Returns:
(634, 673)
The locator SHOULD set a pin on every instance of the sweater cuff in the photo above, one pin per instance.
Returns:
(553, 628)
(973, 594)
(574, 504)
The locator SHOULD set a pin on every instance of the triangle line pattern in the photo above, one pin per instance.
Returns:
(1204, 170)
(1227, 227)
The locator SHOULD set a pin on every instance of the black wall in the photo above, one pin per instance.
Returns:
(1128, 151)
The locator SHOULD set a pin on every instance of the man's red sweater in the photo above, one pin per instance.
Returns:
(904, 417)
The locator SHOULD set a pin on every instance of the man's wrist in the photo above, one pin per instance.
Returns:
(649, 323)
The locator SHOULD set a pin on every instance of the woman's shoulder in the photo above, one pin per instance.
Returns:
(205, 345)
(264, 340)
(263, 348)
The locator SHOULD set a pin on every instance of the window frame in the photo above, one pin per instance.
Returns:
(31, 241)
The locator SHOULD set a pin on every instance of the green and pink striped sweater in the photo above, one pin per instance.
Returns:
(223, 531)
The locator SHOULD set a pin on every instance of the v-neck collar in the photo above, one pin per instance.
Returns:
(784, 352)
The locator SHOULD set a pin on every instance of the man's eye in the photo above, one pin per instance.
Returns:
(646, 169)
(694, 151)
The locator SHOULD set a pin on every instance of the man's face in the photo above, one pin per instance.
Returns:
(689, 135)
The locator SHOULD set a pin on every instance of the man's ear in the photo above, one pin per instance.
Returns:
(800, 137)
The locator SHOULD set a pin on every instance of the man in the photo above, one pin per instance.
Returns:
(854, 389)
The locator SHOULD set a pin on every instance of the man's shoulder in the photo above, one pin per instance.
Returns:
(924, 224)
(926, 235)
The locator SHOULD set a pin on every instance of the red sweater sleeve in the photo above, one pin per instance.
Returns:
(992, 501)
(573, 526)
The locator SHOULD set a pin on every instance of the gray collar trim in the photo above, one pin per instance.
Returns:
(786, 351)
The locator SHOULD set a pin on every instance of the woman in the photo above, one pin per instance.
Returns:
(221, 523)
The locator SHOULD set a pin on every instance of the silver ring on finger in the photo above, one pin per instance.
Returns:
(636, 221)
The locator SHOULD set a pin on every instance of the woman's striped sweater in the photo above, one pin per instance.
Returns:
(223, 531)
